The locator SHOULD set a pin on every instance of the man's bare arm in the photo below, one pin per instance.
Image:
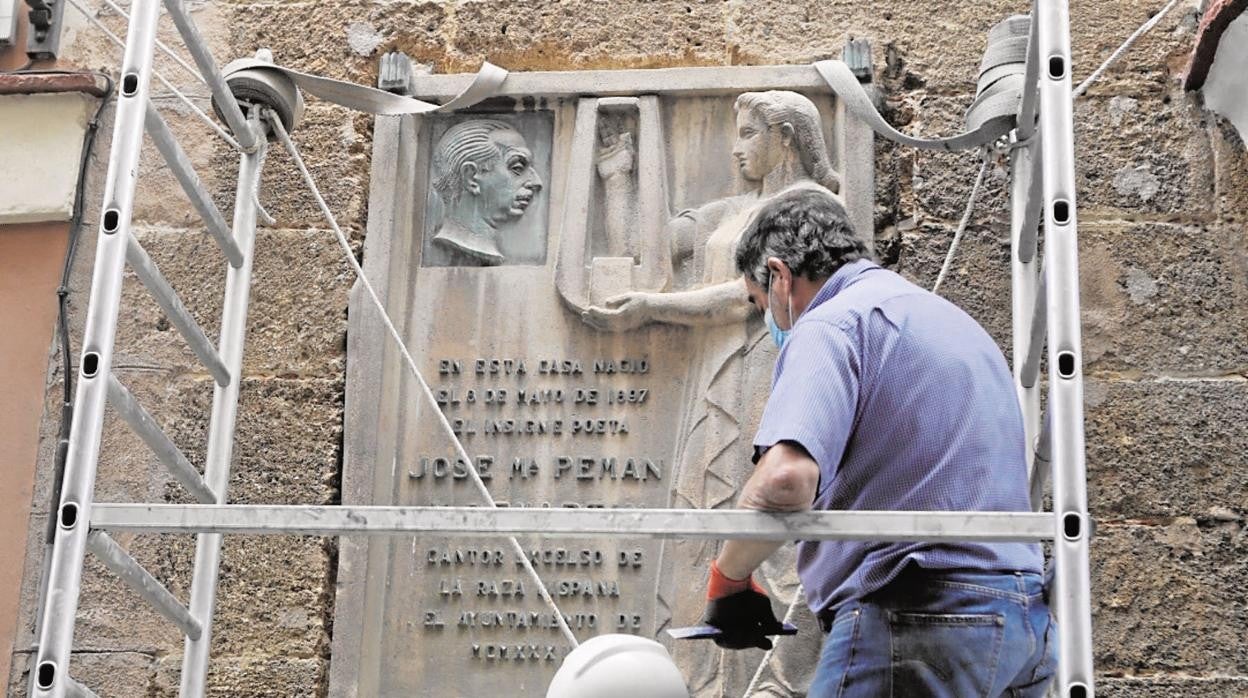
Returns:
(785, 479)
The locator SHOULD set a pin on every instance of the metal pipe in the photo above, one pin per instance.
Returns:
(198, 49)
(575, 523)
(156, 74)
(1042, 456)
(180, 164)
(122, 564)
(1072, 585)
(51, 671)
(160, 45)
(224, 412)
(1037, 322)
(146, 427)
(1034, 206)
(1024, 281)
(177, 313)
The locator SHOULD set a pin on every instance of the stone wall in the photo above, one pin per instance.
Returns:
(1163, 204)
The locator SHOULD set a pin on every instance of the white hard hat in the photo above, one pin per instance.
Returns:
(618, 666)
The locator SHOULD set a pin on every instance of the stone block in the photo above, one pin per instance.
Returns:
(275, 598)
(1142, 156)
(1159, 449)
(941, 50)
(1152, 65)
(108, 674)
(1163, 299)
(942, 181)
(535, 35)
(296, 318)
(351, 35)
(289, 442)
(333, 142)
(1171, 687)
(1170, 598)
(250, 677)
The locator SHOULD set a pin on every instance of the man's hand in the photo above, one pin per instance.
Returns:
(742, 610)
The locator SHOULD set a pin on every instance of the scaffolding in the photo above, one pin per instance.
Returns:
(1045, 304)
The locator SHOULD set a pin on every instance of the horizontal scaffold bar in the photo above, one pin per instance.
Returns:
(575, 523)
(683, 82)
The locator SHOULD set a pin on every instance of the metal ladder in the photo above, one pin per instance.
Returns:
(1044, 302)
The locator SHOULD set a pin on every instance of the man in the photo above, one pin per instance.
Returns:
(884, 397)
(483, 172)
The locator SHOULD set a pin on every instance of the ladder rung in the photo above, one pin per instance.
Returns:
(116, 559)
(146, 427)
(177, 313)
(73, 689)
(1035, 344)
(180, 164)
(222, 97)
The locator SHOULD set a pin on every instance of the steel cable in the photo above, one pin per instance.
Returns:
(284, 137)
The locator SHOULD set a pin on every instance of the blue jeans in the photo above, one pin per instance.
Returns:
(942, 634)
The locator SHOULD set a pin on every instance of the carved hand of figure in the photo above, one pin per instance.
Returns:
(624, 312)
(616, 156)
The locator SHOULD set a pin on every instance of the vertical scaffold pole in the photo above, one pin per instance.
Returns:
(65, 572)
(1071, 593)
(1024, 282)
(224, 412)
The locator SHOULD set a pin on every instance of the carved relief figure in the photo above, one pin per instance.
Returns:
(483, 172)
(779, 144)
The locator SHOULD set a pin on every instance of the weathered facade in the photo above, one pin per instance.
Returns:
(1164, 264)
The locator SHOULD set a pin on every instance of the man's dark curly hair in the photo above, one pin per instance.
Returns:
(807, 229)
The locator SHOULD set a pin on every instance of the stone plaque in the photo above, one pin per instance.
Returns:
(559, 262)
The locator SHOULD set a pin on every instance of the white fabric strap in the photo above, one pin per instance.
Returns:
(992, 115)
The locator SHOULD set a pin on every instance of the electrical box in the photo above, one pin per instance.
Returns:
(8, 21)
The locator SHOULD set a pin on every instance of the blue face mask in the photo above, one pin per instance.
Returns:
(778, 335)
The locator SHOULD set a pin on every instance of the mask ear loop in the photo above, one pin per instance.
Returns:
(770, 279)
(792, 321)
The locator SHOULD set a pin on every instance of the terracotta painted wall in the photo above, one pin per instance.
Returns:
(31, 256)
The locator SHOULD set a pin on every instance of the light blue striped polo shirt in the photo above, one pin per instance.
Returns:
(906, 403)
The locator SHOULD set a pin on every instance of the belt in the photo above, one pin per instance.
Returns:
(826, 617)
(912, 574)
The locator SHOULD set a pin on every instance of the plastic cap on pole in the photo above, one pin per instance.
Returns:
(618, 666)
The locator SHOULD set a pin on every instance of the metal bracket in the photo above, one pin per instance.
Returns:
(395, 74)
(857, 55)
(45, 29)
